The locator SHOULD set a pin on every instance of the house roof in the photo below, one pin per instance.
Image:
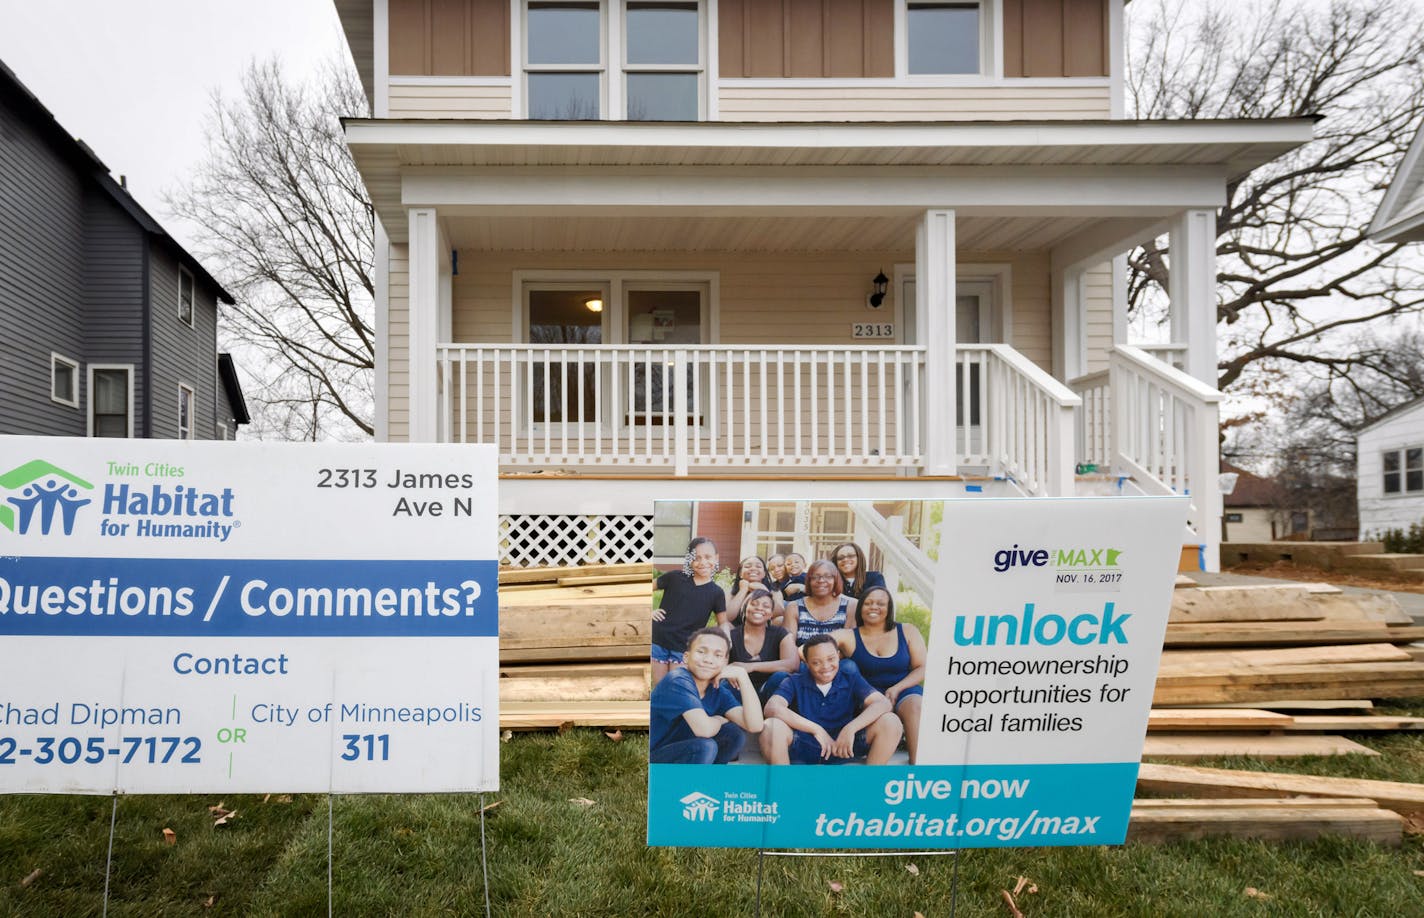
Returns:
(1251, 490)
(1391, 414)
(88, 164)
(1400, 217)
(227, 375)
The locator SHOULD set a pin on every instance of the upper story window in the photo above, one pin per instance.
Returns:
(1404, 470)
(639, 60)
(663, 61)
(110, 401)
(185, 296)
(63, 380)
(944, 38)
(564, 60)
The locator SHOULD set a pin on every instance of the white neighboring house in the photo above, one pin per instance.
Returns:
(1390, 470)
(1400, 217)
(768, 251)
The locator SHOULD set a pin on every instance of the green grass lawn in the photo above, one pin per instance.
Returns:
(548, 855)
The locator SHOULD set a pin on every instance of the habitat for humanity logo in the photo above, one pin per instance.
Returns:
(698, 807)
(46, 494)
(735, 806)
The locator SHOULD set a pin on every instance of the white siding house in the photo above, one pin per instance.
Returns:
(1390, 484)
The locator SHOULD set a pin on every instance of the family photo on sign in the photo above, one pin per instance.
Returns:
(783, 661)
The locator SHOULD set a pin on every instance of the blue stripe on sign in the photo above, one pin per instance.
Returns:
(890, 806)
(248, 598)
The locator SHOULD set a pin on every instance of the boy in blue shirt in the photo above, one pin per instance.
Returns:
(694, 717)
(825, 716)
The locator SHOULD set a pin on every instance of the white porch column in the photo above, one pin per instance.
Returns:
(935, 271)
(1119, 299)
(1069, 294)
(1191, 290)
(424, 242)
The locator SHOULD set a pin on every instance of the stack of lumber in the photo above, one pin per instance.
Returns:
(573, 646)
(1271, 672)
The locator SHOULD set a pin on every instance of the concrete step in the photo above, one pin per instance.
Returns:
(1381, 562)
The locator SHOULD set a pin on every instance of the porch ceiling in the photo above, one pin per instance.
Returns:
(748, 234)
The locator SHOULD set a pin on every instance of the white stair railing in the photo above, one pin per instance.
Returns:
(1164, 434)
(1027, 418)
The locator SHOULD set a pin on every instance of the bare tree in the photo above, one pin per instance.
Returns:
(280, 207)
(1295, 273)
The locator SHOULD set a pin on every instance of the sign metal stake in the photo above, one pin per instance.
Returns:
(329, 821)
(484, 859)
(109, 861)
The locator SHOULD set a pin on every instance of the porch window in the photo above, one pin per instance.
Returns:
(564, 60)
(672, 528)
(565, 316)
(663, 61)
(776, 529)
(1404, 470)
(943, 38)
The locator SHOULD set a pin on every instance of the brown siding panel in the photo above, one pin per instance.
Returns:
(1085, 43)
(1013, 38)
(721, 521)
(806, 39)
(449, 37)
(1043, 38)
(410, 37)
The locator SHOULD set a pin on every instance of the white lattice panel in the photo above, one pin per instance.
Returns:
(549, 540)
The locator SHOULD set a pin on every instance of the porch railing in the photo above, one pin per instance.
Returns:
(1154, 422)
(1026, 432)
(700, 406)
(686, 406)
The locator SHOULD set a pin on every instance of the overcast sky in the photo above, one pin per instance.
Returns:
(134, 78)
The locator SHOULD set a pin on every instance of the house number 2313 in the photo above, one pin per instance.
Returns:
(872, 330)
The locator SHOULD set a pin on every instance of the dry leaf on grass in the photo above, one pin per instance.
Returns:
(835, 886)
(616, 735)
(224, 817)
(1419, 873)
(506, 736)
(208, 902)
(1252, 892)
(565, 727)
(39, 872)
(914, 871)
(582, 801)
(919, 915)
(490, 807)
(1025, 883)
(1009, 901)
(170, 837)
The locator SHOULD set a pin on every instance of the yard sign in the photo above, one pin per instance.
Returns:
(246, 617)
(1047, 630)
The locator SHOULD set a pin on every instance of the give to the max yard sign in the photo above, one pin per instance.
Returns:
(195, 617)
(1046, 632)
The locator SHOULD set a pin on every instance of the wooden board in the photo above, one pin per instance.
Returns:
(640, 595)
(1303, 704)
(1288, 634)
(1318, 723)
(645, 580)
(1184, 747)
(600, 682)
(1317, 673)
(1152, 803)
(1220, 782)
(1158, 824)
(1216, 719)
(1255, 603)
(1178, 661)
(1260, 695)
(552, 574)
(550, 715)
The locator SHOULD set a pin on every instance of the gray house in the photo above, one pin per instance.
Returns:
(110, 327)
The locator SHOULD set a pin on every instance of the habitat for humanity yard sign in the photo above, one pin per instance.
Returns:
(1045, 634)
(196, 617)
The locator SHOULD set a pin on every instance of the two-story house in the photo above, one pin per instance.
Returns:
(756, 251)
(111, 327)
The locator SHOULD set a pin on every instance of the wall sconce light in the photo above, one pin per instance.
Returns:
(881, 285)
(594, 304)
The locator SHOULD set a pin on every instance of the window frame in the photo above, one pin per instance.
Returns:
(991, 56)
(699, 69)
(128, 370)
(187, 394)
(191, 319)
(1401, 471)
(71, 368)
(605, 30)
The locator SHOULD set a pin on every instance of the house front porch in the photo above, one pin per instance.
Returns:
(629, 311)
